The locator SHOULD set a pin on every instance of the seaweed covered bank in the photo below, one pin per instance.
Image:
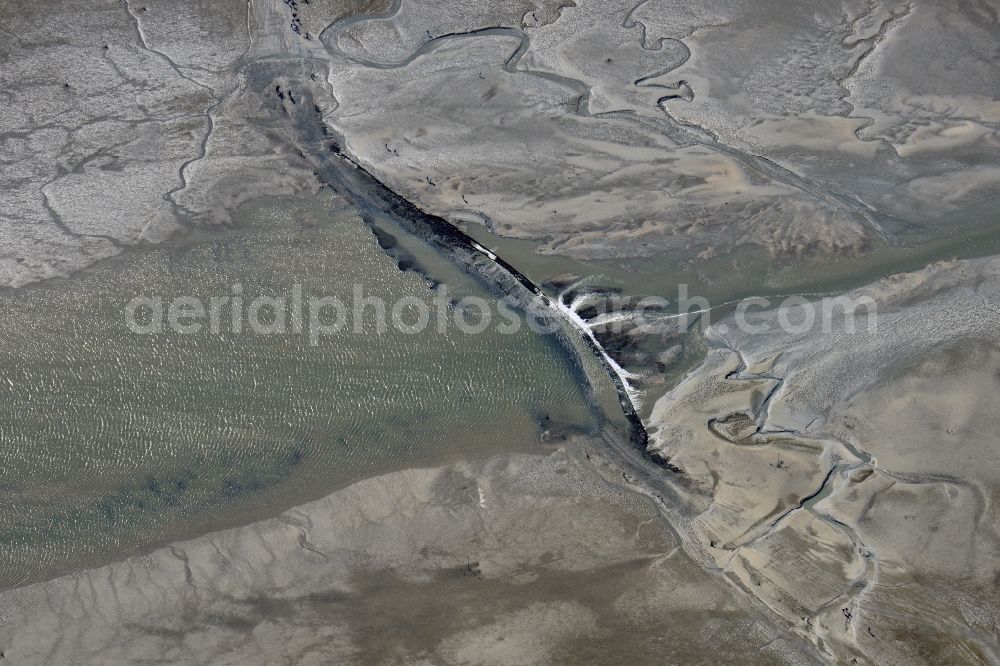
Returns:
(379, 205)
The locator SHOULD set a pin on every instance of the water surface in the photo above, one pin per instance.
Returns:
(112, 442)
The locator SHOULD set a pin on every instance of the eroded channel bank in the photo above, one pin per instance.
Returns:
(323, 147)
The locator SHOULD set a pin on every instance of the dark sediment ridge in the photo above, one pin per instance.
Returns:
(336, 169)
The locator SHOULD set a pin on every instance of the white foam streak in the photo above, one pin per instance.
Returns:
(569, 311)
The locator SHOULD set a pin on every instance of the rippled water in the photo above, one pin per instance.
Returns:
(112, 442)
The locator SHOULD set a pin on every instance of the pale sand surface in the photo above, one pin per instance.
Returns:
(521, 559)
(846, 480)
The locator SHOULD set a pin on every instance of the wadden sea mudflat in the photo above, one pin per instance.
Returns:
(508, 332)
(116, 440)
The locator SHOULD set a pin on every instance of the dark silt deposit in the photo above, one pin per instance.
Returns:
(350, 180)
